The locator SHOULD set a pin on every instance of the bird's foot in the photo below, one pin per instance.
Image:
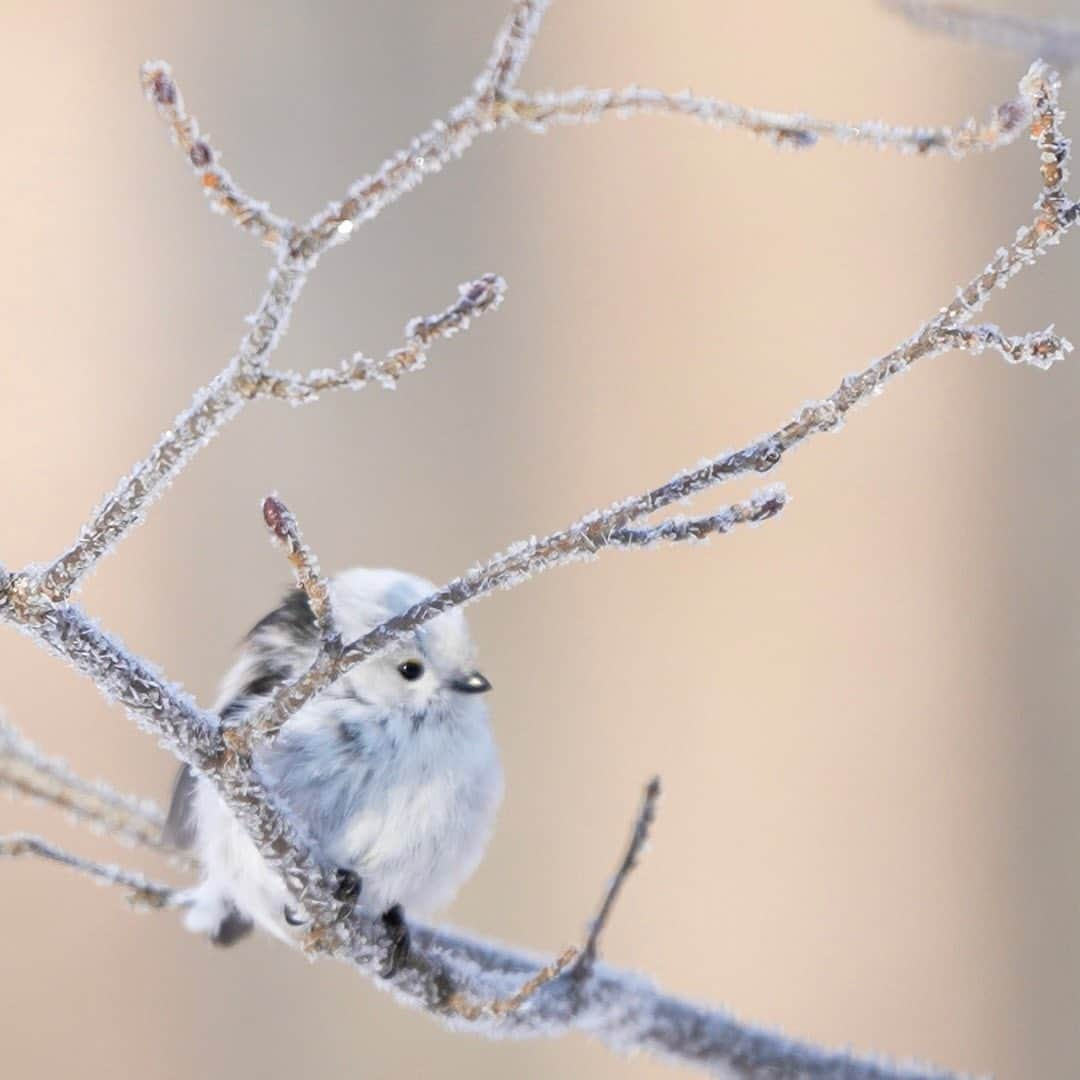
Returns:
(397, 929)
(347, 889)
(292, 918)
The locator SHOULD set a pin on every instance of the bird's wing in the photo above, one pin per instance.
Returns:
(275, 647)
(179, 829)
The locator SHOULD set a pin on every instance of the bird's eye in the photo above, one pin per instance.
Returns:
(411, 670)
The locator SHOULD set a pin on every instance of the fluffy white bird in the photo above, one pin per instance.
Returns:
(392, 770)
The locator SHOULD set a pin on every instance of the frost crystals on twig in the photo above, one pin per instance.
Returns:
(282, 524)
(638, 839)
(475, 298)
(25, 770)
(796, 131)
(143, 891)
(224, 193)
(582, 540)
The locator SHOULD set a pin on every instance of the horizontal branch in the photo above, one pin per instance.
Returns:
(622, 1009)
(142, 890)
(217, 403)
(795, 130)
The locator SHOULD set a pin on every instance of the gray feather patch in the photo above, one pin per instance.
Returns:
(179, 829)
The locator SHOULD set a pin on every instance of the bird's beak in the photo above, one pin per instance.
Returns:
(473, 683)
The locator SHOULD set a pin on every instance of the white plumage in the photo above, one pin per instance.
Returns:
(393, 770)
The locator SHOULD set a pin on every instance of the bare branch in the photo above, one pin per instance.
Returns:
(1041, 349)
(225, 195)
(475, 298)
(282, 524)
(142, 890)
(794, 130)
(511, 50)
(461, 1006)
(638, 839)
(1058, 42)
(25, 770)
(244, 377)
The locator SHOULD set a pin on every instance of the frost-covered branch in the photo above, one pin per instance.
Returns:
(224, 193)
(495, 104)
(795, 130)
(475, 298)
(639, 837)
(26, 771)
(614, 527)
(142, 890)
(284, 528)
(469, 982)
(511, 50)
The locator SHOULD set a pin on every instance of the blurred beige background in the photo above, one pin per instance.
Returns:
(864, 713)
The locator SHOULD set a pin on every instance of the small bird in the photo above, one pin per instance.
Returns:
(392, 770)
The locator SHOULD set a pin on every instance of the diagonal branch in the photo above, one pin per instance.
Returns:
(638, 839)
(475, 298)
(225, 195)
(143, 891)
(582, 540)
(218, 403)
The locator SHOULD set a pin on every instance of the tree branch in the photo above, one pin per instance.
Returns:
(638, 839)
(225, 195)
(797, 131)
(511, 50)
(244, 376)
(582, 540)
(25, 770)
(142, 890)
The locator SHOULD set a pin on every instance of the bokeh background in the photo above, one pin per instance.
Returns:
(863, 713)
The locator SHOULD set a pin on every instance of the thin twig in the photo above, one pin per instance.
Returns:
(283, 525)
(797, 131)
(582, 540)
(24, 769)
(511, 50)
(638, 839)
(224, 193)
(143, 891)
(475, 298)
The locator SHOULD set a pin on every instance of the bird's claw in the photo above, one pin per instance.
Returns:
(397, 930)
(347, 889)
